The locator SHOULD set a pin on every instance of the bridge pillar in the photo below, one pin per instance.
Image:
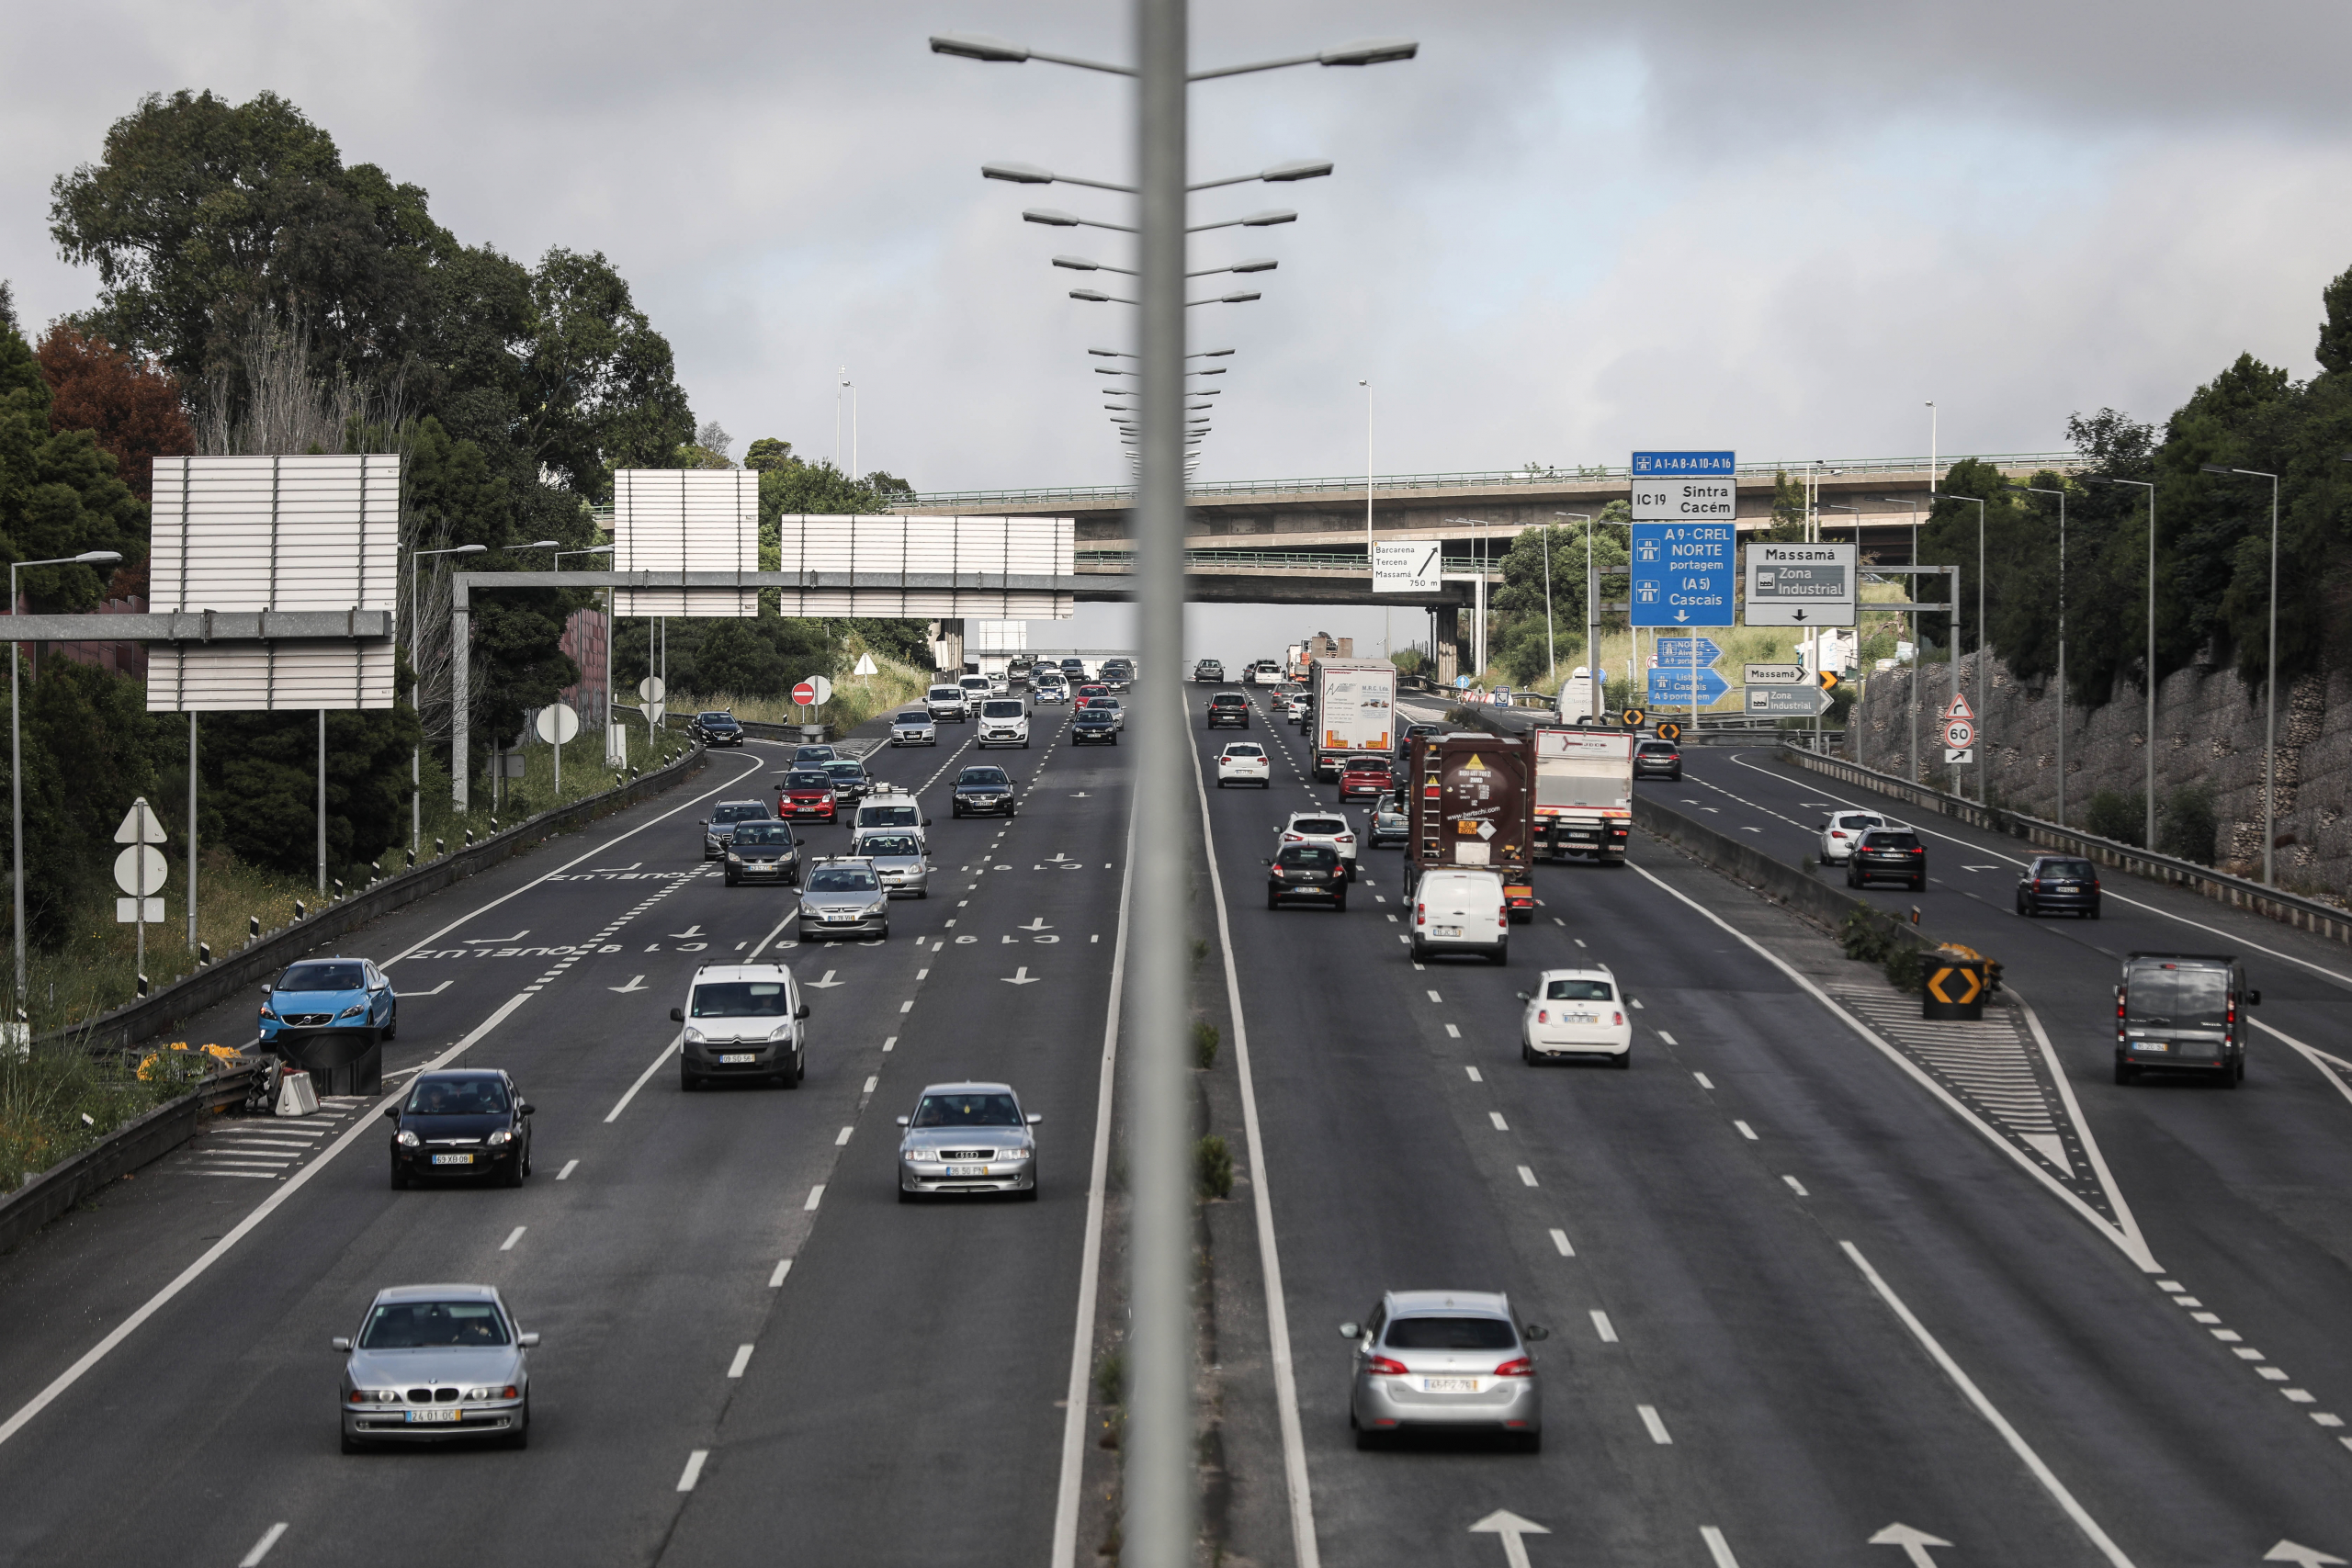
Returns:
(948, 645)
(1451, 654)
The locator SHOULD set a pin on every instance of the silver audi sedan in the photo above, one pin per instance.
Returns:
(434, 1362)
(898, 860)
(1452, 1358)
(967, 1137)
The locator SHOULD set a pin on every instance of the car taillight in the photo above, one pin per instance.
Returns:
(1918, 849)
(1519, 1367)
(2118, 1004)
(1502, 918)
(1293, 837)
(1382, 1367)
(1344, 839)
(1837, 833)
(1420, 913)
(1616, 1018)
(1543, 1015)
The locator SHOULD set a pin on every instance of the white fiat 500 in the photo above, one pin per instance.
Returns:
(1839, 834)
(1244, 762)
(1576, 1012)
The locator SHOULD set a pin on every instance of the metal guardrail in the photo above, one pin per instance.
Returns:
(138, 1142)
(1287, 560)
(2287, 908)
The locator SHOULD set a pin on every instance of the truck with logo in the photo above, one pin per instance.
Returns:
(1470, 801)
(1584, 792)
(1351, 708)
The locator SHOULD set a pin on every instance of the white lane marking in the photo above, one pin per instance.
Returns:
(1526, 1176)
(1560, 1240)
(1717, 1547)
(512, 1238)
(922, 974)
(261, 1548)
(1984, 1407)
(1657, 1427)
(1635, 1000)
(1796, 1187)
(743, 1359)
(1557, 922)
(1472, 1072)
(1497, 1118)
(2127, 1238)
(1704, 1081)
(1663, 1036)
(1579, 941)
(784, 1267)
(1451, 1033)
(359, 1128)
(870, 1083)
(773, 936)
(434, 992)
(816, 1196)
(909, 1006)
(844, 1136)
(1602, 1326)
(651, 1068)
(569, 1166)
(1435, 998)
(2317, 1057)
(693, 1470)
(1746, 1131)
(888, 1043)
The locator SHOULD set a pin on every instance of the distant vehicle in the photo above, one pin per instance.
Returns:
(1264, 672)
(1004, 721)
(1366, 776)
(898, 860)
(948, 705)
(1471, 799)
(2182, 1011)
(1577, 703)
(1209, 669)
(719, 829)
(1414, 732)
(851, 780)
(967, 1137)
(471, 1122)
(1461, 910)
(1074, 670)
(999, 683)
(1050, 686)
(321, 996)
(1018, 671)
(1584, 792)
(1658, 759)
(2059, 882)
(1329, 828)
(914, 728)
(813, 755)
(1447, 1359)
(1307, 871)
(743, 1021)
(1118, 673)
(1838, 833)
(1229, 707)
(1350, 709)
(985, 792)
(842, 896)
(1575, 1012)
(717, 727)
(977, 688)
(1106, 704)
(806, 793)
(458, 1345)
(762, 851)
(1887, 853)
(1244, 762)
(889, 807)
(1094, 726)
(1089, 689)
(1389, 824)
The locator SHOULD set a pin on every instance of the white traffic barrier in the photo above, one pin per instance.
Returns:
(295, 1095)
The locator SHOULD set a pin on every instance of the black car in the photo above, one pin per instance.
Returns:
(1229, 707)
(1118, 674)
(983, 792)
(1414, 732)
(719, 827)
(717, 728)
(1094, 724)
(1306, 870)
(2059, 882)
(764, 851)
(2182, 1010)
(464, 1122)
(852, 783)
(1885, 853)
(1658, 759)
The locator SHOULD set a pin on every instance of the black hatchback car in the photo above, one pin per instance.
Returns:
(1658, 759)
(1313, 872)
(764, 851)
(983, 792)
(1887, 854)
(1229, 707)
(1414, 732)
(2059, 882)
(1094, 726)
(466, 1123)
(717, 728)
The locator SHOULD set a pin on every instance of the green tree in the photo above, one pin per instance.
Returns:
(60, 494)
(1788, 509)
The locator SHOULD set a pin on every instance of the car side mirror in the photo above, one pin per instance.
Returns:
(926, 821)
(677, 1015)
(1035, 1117)
(801, 1011)
(391, 1113)
(1534, 1331)
(1523, 996)
(798, 844)
(902, 1121)
(1265, 862)
(266, 988)
(527, 1107)
(528, 1341)
(341, 1342)
(1351, 1331)
(2254, 998)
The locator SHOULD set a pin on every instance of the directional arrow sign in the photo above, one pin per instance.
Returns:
(1021, 976)
(2288, 1551)
(1781, 701)
(827, 981)
(1036, 925)
(1680, 688)
(1682, 574)
(1772, 675)
(1688, 652)
(1512, 1528)
(635, 983)
(1913, 1542)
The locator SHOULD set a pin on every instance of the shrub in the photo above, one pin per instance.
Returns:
(2187, 826)
(1206, 1039)
(1213, 1167)
(2116, 816)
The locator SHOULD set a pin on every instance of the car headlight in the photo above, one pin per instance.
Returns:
(267, 1016)
(734, 859)
(877, 906)
(694, 1035)
(1010, 1156)
(781, 1031)
(352, 1011)
(501, 1136)
(406, 1139)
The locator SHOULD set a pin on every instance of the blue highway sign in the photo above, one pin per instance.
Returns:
(1684, 465)
(1681, 688)
(1683, 573)
(1687, 652)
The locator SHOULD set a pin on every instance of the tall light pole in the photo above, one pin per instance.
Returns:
(1854, 720)
(1979, 503)
(2061, 494)
(1912, 759)
(1593, 681)
(2269, 679)
(17, 745)
(416, 691)
(1367, 385)
(2148, 790)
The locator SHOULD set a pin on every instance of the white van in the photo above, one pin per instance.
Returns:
(1004, 721)
(948, 703)
(892, 810)
(1461, 911)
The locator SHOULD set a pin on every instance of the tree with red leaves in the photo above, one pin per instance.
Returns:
(132, 405)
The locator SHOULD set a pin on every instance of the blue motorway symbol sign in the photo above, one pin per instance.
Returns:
(1682, 573)
(1687, 652)
(1684, 465)
(1684, 688)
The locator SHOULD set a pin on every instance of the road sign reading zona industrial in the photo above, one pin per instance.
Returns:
(1783, 702)
(1682, 574)
(1800, 585)
(1683, 687)
(1406, 566)
(1772, 675)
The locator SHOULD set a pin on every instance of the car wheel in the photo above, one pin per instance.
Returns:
(2241, 1073)
(392, 1022)
(1526, 1052)
(1366, 1441)
(514, 1173)
(1029, 1193)
(1340, 903)
(955, 810)
(2023, 908)
(730, 879)
(688, 1081)
(1220, 783)
(1851, 880)
(1530, 1442)
(799, 1069)
(1919, 882)
(400, 1182)
(2230, 1074)
(2091, 913)
(1273, 900)
(1501, 954)
(1625, 1058)
(352, 1445)
(520, 1437)
(2125, 1073)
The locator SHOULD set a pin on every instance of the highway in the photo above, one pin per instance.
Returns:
(1814, 1275)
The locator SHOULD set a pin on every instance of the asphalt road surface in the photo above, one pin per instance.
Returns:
(1825, 1286)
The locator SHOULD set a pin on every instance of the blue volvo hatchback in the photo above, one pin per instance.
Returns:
(342, 997)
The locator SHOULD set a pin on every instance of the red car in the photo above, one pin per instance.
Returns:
(1365, 776)
(1091, 689)
(805, 792)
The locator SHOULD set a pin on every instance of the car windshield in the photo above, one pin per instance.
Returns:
(1308, 855)
(1883, 841)
(1229, 702)
(1452, 1334)
(981, 776)
(999, 710)
(805, 755)
(808, 778)
(2179, 997)
(1579, 991)
(1658, 749)
(889, 845)
(947, 693)
(841, 879)
(845, 769)
(915, 721)
(1245, 751)
(967, 1111)
(433, 1325)
(754, 833)
(1097, 718)
(1051, 678)
(716, 717)
(323, 978)
(886, 816)
(1851, 823)
(748, 811)
(2068, 869)
(974, 683)
(1318, 825)
(457, 1096)
(738, 998)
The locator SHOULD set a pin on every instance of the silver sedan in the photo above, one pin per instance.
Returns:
(1454, 1358)
(914, 728)
(433, 1362)
(898, 859)
(967, 1137)
(842, 896)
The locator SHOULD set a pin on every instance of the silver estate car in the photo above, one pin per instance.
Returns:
(914, 728)
(842, 895)
(433, 1362)
(1444, 1359)
(897, 858)
(967, 1137)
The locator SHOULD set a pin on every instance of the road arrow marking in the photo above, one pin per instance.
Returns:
(1913, 1542)
(689, 931)
(434, 992)
(1019, 977)
(827, 981)
(1038, 924)
(2288, 1551)
(494, 941)
(1511, 1528)
(1079, 795)
(635, 983)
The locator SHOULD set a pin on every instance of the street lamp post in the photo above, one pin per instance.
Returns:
(416, 691)
(2061, 494)
(1368, 547)
(2269, 679)
(17, 746)
(1854, 710)
(1593, 681)
(498, 742)
(2148, 827)
(1912, 760)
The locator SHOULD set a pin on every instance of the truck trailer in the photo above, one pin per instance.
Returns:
(1583, 793)
(1351, 708)
(1471, 801)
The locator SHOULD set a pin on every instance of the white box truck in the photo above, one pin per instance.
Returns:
(1583, 793)
(1354, 710)
(1576, 698)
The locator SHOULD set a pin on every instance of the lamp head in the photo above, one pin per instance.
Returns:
(1366, 51)
(1301, 169)
(1018, 174)
(979, 46)
(1052, 217)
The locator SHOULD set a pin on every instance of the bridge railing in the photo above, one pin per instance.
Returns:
(1333, 561)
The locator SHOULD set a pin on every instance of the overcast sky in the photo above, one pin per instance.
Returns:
(1563, 231)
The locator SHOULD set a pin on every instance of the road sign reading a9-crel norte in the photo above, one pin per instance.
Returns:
(815, 692)
(1682, 574)
(1800, 585)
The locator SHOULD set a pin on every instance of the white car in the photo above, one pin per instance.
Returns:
(1461, 911)
(1004, 721)
(1576, 1012)
(1265, 674)
(1049, 686)
(1322, 827)
(1244, 762)
(1839, 833)
(947, 704)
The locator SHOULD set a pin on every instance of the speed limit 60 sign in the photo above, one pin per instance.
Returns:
(1959, 734)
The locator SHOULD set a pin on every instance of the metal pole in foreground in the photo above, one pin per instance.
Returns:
(191, 830)
(323, 800)
(1157, 1531)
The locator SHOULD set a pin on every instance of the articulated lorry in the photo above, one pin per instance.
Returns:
(1471, 801)
(1352, 709)
(1583, 793)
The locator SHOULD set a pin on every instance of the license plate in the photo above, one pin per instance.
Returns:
(841, 917)
(967, 1170)
(434, 1413)
(2152, 1044)
(1448, 930)
(1449, 1386)
(453, 1159)
(1580, 1018)
(731, 1058)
